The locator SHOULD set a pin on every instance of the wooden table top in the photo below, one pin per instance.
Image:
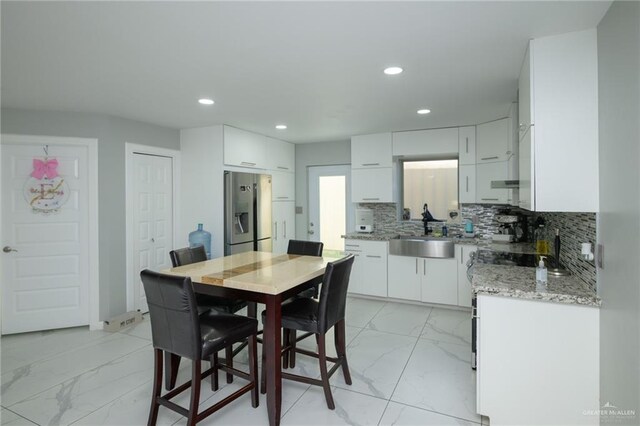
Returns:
(256, 271)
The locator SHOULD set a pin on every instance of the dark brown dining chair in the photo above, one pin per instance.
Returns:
(204, 302)
(315, 318)
(177, 328)
(305, 248)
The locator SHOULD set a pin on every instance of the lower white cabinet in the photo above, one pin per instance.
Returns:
(369, 271)
(538, 362)
(283, 225)
(464, 285)
(439, 281)
(425, 280)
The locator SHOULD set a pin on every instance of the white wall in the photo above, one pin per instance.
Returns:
(619, 218)
(315, 154)
(112, 133)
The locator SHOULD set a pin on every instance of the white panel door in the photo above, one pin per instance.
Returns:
(153, 218)
(46, 257)
(440, 281)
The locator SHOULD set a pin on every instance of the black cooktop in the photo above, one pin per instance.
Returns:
(513, 259)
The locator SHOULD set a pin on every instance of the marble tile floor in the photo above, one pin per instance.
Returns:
(410, 365)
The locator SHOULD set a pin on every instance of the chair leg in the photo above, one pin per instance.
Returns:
(253, 370)
(157, 387)
(322, 355)
(285, 343)
(214, 375)
(341, 349)
(228, 354)
(196, 373)
(263, 374)
(171, 367)
(292, 351)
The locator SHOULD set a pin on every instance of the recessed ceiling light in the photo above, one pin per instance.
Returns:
(281, 127)
(393, 70)
(206, 101)
(424, 111)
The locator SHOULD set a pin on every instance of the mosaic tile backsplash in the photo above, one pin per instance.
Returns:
(575, 228)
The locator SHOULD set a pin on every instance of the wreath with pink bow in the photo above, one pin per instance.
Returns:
(45, 190)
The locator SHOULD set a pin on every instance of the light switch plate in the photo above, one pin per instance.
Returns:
(298, 209)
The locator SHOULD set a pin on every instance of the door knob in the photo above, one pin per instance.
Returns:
(8, 249)
(311, 232)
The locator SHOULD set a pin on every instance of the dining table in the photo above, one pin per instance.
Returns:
(259, 277)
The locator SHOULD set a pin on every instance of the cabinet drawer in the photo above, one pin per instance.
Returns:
(375, 249)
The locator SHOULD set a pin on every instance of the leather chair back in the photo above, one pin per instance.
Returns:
(333, 293)
(175, 326)
(305, 248)
(187, 255)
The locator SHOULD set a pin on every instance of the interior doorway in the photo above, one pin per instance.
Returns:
(331, 212)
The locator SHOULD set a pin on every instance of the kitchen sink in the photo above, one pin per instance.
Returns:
(422, 246)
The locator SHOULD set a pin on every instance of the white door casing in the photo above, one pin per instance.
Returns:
(315, 172)
(51, 280)
(152, 219)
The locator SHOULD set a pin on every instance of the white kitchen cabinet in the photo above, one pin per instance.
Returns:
(281, 155)
(487, 172)
(467, 145)
(373, 185)
(369, 271)
(283, 217)
(426, 142)
(464, 284)
(559, 99)
(544, 353)
(283, 186)
(467, 183)
(371, 151)
(440, 281)
(404, 279)
(244, 149)
(493, 141)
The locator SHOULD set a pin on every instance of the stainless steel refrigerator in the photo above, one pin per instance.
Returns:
(247, 212)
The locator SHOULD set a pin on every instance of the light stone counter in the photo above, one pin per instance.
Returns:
(520, 282)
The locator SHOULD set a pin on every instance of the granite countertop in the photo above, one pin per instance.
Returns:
(374, 236)
(520, 282)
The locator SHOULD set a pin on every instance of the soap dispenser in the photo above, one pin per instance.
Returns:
(541, 276)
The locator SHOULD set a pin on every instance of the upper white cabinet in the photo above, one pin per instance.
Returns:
(373, 185)
(432, 142)
(485, 173)
(467, 184)
(371, 151)
(493, 141)
(283, 186)
(244, 149)
(559, 115)
(467, 145)
(281, 155)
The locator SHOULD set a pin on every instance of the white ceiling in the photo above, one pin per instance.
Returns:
(315, 66)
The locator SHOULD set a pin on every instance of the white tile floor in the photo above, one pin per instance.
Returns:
(409, 364)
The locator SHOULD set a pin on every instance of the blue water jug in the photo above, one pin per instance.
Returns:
(200, 237)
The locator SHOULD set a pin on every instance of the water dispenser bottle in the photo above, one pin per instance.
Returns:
(200, 237)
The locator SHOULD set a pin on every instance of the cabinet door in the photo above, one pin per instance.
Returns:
(375, 275)
(524, 95)
(440, 281)
(493, 141)
(464, 285)
(283, 225)
(485, 173)
(372, 185)
(280, 155)
(283, 186)
(369, 273)
(244, 149)
(526, 171)
(426, 142)
(403, 278)
(371, 151)
(467, 184)
(467, 145)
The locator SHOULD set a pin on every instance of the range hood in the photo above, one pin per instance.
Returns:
(505, 184)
